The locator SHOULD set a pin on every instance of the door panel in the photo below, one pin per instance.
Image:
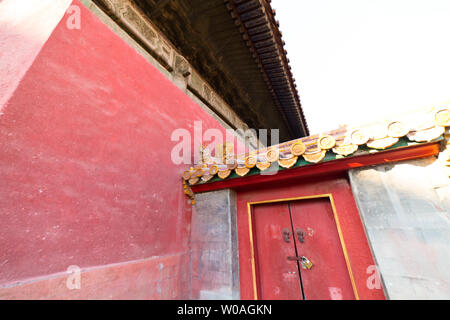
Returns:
(278, 277)
(329, 277)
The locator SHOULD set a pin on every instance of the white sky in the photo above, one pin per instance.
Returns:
(355, 60)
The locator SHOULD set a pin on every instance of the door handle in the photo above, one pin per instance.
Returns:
(286, 235)
(301, 235)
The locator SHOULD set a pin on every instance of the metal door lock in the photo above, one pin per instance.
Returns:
(306, 264)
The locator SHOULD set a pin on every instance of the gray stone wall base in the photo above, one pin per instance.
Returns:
(214, 247)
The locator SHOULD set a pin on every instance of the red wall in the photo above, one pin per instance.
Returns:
(86, 174)
(353, 233)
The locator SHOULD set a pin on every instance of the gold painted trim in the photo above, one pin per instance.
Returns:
(272, 155)
(344, 248)
(427, 134)
(263, 166)
(213, 170)
(298, 148)
(287, 163)
(223, 174)
(345, 150)
(252, 251)
(207, 177)
(326, 142)
(442, 117)
(186, 175)
(193, 181)
(250, 161)
(397, 129)
(198, 173)
(359, 137)
(242, 171)
(382, 143)
(338, 226)
(315, 157)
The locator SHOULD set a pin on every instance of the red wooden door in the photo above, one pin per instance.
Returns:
(278, 277)
(329, 277)
(277, 258)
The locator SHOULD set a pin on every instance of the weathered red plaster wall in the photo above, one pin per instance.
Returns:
(86, 174)
(23, 30)
(154, 278)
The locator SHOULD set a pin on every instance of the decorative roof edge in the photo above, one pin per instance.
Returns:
(421, 126)
(260, 32)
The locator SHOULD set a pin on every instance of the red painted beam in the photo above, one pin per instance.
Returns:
(330, 167)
